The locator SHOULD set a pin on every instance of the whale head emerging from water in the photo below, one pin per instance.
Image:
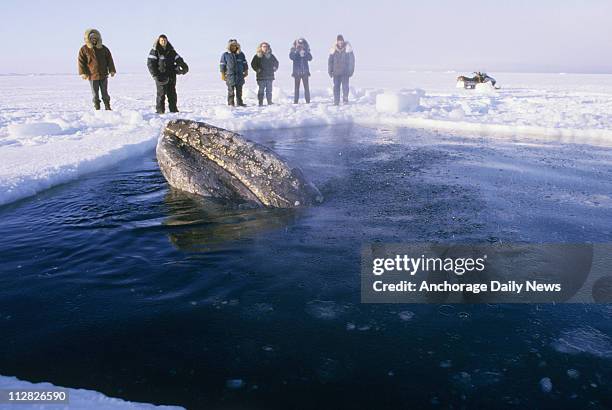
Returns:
(209, 161)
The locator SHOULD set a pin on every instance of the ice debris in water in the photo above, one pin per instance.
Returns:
(445, 364)
(546, 385)
(406, 315)
(586, 340)
(259, 311)
(486, 378)
(573, 373)
(462, 381)
(463, 315)
(325, 309)
(263, 307)
(329, 370)
(234, 384)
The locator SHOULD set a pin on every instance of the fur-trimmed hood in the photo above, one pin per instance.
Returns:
(306, 45)
(260, 52)
(229, 43)
(347, 47)
(158, 47)
(97, 33)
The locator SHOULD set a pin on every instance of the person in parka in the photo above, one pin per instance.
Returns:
(95, 63)
(300, 55)
(234, 69)
(341, 66)
(265, 64)
(164, 64)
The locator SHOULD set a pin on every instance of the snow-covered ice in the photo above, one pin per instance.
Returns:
(34, 129)
(485, 88)
(79, 399)
(49, 133)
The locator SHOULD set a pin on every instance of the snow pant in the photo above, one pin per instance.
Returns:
(296, 93)
(97, 87)
(234, 90)
(265, 86)
(163, 91)
(341, 80)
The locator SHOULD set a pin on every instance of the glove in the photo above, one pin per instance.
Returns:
(182, 68)
(246, 74)
(113, 73)
(84, 76)
(223, 76)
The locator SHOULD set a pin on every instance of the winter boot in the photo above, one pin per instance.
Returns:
(107, 106)
(230, 101)
(96, 106)
(241, 104)
(261, 102)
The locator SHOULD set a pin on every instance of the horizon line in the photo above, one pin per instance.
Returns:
(449, 70)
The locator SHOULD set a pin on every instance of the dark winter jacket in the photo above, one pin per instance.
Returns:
(96, 62)
(264, 64)
(165, 63)
(300, 57)
(341, 62)
(234, 65)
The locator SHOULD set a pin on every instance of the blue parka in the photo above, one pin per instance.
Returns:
(300, 55)
(234, 65)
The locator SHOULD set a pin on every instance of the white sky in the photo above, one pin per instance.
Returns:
(468, 35)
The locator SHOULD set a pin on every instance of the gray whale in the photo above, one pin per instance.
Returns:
(213, 162)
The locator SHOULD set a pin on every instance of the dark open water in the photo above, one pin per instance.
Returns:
(115, 283)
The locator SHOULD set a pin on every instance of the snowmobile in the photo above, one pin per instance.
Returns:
(469, 83)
